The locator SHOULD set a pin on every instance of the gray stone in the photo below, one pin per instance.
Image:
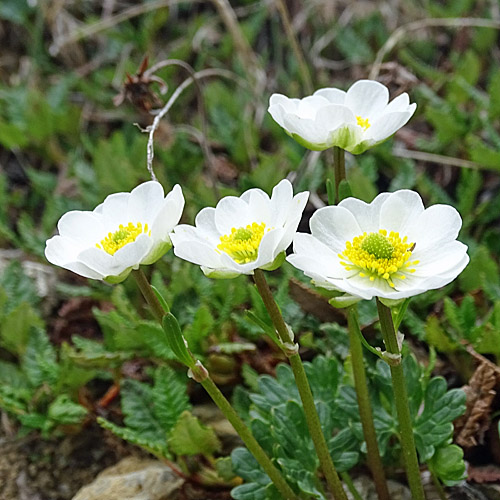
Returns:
(133, 479)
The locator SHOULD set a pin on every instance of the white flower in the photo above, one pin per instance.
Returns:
(391, 248)
(123, 232)
(242, 234)
(354, 120)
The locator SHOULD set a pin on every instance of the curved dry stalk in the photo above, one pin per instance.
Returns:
(205, 147)
(178, 91)
(457, 22)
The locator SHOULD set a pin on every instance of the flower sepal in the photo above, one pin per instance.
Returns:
(343, 301)
(115, 280)
(277, 262)
(219, 274)
(391, 303)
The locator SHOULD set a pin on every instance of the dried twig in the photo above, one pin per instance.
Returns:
(178, 91)
(434, 158)
(398, 34)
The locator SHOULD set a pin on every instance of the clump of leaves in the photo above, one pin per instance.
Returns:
(157, 417)
(37, 385)
(274, 411)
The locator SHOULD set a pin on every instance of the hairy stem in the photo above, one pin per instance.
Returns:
(221, 401)
(402, 408)
(339, 168)
(312, 418)
(365, 410)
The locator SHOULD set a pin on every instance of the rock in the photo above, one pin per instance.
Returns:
(133, 479)
(366, 489)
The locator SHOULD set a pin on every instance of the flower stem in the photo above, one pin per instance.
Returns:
(220, 400)
(247, 437)
(402, 408)
(312, 418)
(365, 410)
(148, 294)
(339, 168)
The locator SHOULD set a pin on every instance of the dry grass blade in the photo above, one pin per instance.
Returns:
(400, 33)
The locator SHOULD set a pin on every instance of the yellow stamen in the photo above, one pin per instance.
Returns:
(242, 245)
(363, 122)
(378, 255)
(124, 235)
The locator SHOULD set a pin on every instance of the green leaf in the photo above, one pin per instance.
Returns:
(482, 154)
(224, 468)
(39, 361)
(245, 465)
(200, 327)
(92, 354)
(138, 409)
(254, 491)
(135, 437)
(16, 326)
(11, 375)
(494, 93)
(434, 426)
(190, 437)
(448, 464)
(437, 337)
(176, 340)
(64, 411)
(170, 398)
(481, 271)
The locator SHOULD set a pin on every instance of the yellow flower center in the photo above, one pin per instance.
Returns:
(124, 235)
(363, 122)
(377, 255)
(243, 243)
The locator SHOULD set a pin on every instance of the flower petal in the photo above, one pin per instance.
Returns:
(168, 214)
(310, 105)
(232, 212)
(435, 226)
(85, 228)
(334, 226)
(311, 255)
(134, 253)
(367, 214)
(307, 129)
(399, 103)
(335, 96)
(400, 210)
(144, 202)
(367, 98)
(334, 116)
(114, 210)
(63, 252)
(386, 125)
(198, 252)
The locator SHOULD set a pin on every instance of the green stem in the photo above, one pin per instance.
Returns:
(247, 437)
(439, 487)
(402, 408)
(365, 410)
(312, 418)
(148, 294)
(221, 401)
(350, 485)
(339, 168)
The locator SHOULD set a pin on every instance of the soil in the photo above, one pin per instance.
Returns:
(35, 469)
